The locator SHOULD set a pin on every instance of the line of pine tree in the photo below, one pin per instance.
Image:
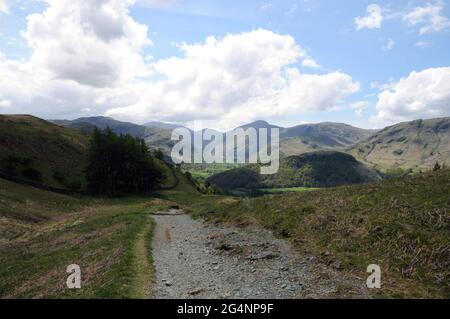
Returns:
(121, 164)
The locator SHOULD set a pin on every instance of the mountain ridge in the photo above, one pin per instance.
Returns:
(294, 140)
(415, 145)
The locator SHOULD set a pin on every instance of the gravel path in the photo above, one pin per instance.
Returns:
(194, 259)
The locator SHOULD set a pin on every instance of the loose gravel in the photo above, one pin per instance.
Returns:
(196, 259)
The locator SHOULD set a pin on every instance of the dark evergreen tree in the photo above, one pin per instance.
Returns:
(121, 164)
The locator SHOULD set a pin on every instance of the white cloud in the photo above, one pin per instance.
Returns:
(372, 21)
(311, 63)
(5, 103)
(359, 107)
(93, 42)
(87, 57)
(157, 3)
(422, 44)
(235, 80)
(428, 17)
(266, 6)
(389, 45)
(80, 49)
(422, 94)
(4, 6)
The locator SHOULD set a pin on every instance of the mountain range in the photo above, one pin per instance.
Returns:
(412, 145)
(294, 140)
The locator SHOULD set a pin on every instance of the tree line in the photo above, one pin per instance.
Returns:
(120, 165)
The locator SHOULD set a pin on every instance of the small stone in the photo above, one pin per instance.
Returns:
(196, 291)
(168, 283)
(264, 255)
(337, 265)
(224, 247)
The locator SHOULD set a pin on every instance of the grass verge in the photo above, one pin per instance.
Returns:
(42, 233)
(403, 225)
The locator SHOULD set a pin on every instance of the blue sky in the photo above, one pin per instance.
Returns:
(376, 43)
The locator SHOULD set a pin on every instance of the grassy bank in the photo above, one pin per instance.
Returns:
(403, 225)
(42, 233)
(287, 190)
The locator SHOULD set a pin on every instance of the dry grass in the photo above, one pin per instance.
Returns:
(42, 233)
(403, 225)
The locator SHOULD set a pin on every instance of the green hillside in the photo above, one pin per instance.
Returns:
(323, 136)
(42, 152)
(400, 224)
(117, 127)
(41, 233)
(416, 145)
(317, 169)
(50, 154)
(155, 136)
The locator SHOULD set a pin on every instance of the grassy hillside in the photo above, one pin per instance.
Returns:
(117, 127)
(41, 233)
(323, 136)
(33, 149)
(412, 145)
(156, 137)
(53, 155)
(320, 169)
(317, 169)
(400, 224)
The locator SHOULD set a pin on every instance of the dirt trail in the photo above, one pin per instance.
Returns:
(194, 259)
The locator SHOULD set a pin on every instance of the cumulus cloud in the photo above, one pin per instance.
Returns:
(423, 94)
(80, 50)
(311, 63)
(372, 21)
(87, 59)
(428, 17)
(93, 42)
(238, 78)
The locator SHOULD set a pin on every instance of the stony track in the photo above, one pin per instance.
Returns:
(195, 259)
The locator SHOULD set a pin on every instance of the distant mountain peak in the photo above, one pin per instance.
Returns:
(259, 124)
(163, 125)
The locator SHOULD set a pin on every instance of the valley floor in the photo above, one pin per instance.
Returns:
(196, 259)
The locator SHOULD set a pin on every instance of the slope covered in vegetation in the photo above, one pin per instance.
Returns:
(317, 169)
(42, 152)
(402, 224)
(41, 233)
(416, 145)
